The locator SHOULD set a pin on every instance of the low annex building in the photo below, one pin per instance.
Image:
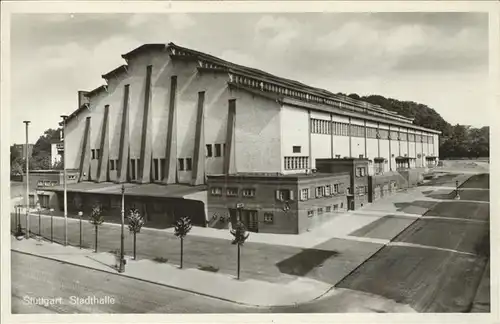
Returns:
(175, 116)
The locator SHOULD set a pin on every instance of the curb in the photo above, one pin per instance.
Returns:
(163, 284)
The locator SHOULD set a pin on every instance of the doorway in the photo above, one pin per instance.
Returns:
(250, 219)
(350, 203)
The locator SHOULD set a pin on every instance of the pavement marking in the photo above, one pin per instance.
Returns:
(363, 239)
(406, 244)
(459, 188)
(382, 213)
(456, 219)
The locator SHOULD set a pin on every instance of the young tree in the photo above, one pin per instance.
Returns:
(135, 223)
(240, 236)
(182, 228)
(96, 219)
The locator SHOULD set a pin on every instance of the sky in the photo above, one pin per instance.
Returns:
(438, 59)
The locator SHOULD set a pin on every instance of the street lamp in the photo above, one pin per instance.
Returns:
(64, 117)
(39, 219)
(52, 225)
(19, 231)
(122, 238)
(80, 214)
(27, 122)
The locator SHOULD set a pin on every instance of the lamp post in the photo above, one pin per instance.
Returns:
(27, 122)
(122, 237)
(52, 225)
(64, 117)
(39, 219)
(80, 214)
(19, 231)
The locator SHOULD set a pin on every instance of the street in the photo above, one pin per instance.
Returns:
(38, 277)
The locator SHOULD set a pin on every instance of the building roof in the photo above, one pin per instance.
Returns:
(275, 175)
(131, 189)
(264, 82)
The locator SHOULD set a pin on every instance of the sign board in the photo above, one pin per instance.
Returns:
(240, 205)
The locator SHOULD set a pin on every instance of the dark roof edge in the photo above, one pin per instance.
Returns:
(121, 69)
(143, 48)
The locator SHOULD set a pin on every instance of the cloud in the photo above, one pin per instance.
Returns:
(392, 54)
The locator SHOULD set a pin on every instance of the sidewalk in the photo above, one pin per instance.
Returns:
(246, 292)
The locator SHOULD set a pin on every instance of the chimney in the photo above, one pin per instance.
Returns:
(82, 99)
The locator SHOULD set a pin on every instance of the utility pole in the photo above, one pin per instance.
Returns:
(27, 122)
(122, 238)
(64, 117)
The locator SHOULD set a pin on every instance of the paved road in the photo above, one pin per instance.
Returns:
(439, 261)
(38, 277)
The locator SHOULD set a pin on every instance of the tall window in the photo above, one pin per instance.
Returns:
(209, 152)
(97, 153)
(132, 169)
(336, 188)
(92, 154)
(181, 164)
(189, 164)
(218, 150)
(328, 190)
(112, 165)
(162, 167)
(156, 171)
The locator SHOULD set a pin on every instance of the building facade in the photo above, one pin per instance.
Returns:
(276, 203)
(172, 115)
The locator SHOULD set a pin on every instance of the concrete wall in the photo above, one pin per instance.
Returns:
(295, 132)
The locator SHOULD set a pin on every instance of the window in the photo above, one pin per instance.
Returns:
(341, 205)
(209, 152)
(232, 192)
(361, 190)
(296, 162)
(310, 213)
(156, 174)
(216, 191)
(248, 192)
(328, 209)
(328, 191)
(360, 172)
(189, 164)
(132, 169)
(363, 172)
(320, 192)
(218, 151)
(71, 177)
(283, 195)
(336, 188)
(320, 211)
(304, 194)
(162, 167)
(181, 164)
(268, 218)
(224, 149)
(97, 153)
(296, 149)
(93, 154)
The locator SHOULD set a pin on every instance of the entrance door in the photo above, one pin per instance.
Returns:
(250, 220)
(350, 203)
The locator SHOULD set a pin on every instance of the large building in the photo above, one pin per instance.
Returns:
(172, 115)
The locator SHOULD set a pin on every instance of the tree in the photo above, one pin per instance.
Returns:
(44, 142)
(182, 228)
(240, 235)
(135, 223)
(96, 219)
